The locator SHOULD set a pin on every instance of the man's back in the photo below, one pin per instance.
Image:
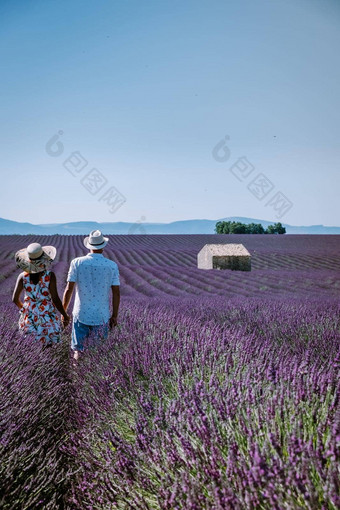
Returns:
(94, 275)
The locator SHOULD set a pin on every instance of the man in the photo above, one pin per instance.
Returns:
(94, 277)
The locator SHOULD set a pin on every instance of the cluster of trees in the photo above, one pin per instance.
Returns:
(236, 227)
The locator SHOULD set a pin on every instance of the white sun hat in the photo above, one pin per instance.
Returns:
(95, 241)
(35, 258)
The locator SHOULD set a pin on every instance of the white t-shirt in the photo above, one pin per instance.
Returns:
(94, 275)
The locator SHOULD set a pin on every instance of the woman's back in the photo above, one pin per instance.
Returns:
(38, 314)
(38, 311)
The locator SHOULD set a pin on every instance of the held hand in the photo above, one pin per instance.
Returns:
(65, 320)
(113, 322)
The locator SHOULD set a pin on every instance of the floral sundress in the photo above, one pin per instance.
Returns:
(38, 316)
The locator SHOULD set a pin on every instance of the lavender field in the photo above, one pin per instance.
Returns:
(218, 389)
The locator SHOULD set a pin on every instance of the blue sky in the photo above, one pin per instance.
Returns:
(144, 91)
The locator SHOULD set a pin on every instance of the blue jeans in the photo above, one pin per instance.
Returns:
(81, 332)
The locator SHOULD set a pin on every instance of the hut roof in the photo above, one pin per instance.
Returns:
(227, 249)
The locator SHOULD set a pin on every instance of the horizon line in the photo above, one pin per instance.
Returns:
(167, 223)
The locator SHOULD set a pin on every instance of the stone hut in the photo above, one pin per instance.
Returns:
(224, 256)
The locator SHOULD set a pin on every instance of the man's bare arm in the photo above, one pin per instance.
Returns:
(68, 294)
(115, 305)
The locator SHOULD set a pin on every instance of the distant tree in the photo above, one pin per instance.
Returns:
(280, 229)
(270, 229)
(222, 227)
(277, 228)
(255, 228)
(226, 227)
(236, 227)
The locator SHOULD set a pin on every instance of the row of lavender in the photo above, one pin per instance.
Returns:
(162, 266)
(212, 404)
(299, 244)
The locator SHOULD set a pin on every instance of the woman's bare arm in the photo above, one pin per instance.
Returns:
(55, 297)
(19, 286)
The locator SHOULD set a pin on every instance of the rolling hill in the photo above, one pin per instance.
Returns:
(177, 227)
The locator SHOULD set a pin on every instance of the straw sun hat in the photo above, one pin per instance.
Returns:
(96, 240)
(35, 258)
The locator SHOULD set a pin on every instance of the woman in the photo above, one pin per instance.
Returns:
(38, 314)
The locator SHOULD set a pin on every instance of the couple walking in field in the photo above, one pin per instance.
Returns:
(95, 279)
